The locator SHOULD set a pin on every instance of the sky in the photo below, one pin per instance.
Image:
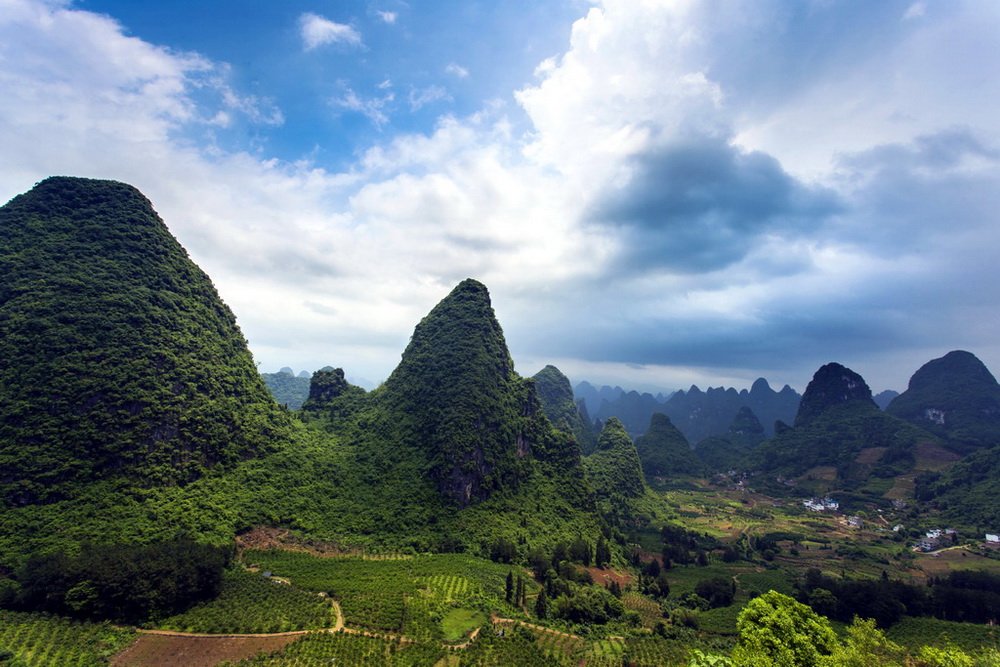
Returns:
(657, 193)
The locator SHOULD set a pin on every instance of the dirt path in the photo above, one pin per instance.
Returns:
(172, 633)
(497, 619)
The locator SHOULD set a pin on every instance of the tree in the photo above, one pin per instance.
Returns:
(509, 587)
(542, 605)
(865, 645)
(602, 555)
(776, 631)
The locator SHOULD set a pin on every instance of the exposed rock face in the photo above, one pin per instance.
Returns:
(117, 356)
(955, 397)
(832, 385)
(456, 396)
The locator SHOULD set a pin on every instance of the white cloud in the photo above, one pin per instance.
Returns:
(916, 10)
(469, 198)
(376, 109)
(317, 31)
(456, 70)
(423, 96)
(387, 17)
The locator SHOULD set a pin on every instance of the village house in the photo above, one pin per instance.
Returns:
(821, 504)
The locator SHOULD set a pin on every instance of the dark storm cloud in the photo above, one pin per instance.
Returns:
(923, 197)
(702, 204)
(909, 259)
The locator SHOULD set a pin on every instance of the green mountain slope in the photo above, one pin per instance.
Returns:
(456, 397)
(287, 389)
(117, 357)
(955, 397)
(556, 396)
(836, 422)
(664, 451)
(614, 469)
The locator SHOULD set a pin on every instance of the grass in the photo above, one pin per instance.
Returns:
(458, 623)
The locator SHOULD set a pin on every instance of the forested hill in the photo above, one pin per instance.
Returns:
(955, 397)
(556, 397)
(456, 397)
(838, 420)
(117, 357)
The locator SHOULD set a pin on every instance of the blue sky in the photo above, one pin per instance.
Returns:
(656, 192)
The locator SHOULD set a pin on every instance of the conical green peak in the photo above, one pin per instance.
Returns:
(455, 394)
(119, 358)
(955, 396)
(615, 467)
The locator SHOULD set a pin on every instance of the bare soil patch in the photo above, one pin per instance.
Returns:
(870, 455)
(930, 456)
(605, 577)
(181, 651)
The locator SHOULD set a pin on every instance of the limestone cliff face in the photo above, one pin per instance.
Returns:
(455, 395)
(117, 357)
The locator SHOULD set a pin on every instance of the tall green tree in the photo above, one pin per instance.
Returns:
(776, 631)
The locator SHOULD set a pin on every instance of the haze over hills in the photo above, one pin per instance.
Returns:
(698, 414)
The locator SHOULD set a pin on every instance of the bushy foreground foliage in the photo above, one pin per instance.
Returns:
(119, 582)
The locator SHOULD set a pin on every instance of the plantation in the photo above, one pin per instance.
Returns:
(40, 639)
(416, 596)
(338, 648)
(249, 603)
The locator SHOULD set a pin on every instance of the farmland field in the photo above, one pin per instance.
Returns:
(40, 639)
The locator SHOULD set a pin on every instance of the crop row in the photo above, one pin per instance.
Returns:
(40, 639)
(399, 596)
(654, 652)
(250, 603)
(336, 648)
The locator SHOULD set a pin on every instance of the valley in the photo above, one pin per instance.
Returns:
(160, 506)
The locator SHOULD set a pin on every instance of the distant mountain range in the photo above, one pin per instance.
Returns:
(130, 409)
(697, 414)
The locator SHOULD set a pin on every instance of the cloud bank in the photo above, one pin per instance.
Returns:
(688, 192)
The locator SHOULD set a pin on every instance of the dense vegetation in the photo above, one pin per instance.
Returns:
(955, 397)
(556, 397)
(117, 357)
(836, 421)
(614, 469)
(664, 451)
(286, 388)
(137, 441)
(118, 582)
